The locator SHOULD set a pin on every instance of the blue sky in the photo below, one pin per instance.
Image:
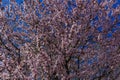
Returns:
(6, 2)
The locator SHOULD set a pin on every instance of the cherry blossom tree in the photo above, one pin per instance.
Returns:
(60, 40)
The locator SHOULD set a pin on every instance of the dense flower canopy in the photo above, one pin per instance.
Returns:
(59, 39)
